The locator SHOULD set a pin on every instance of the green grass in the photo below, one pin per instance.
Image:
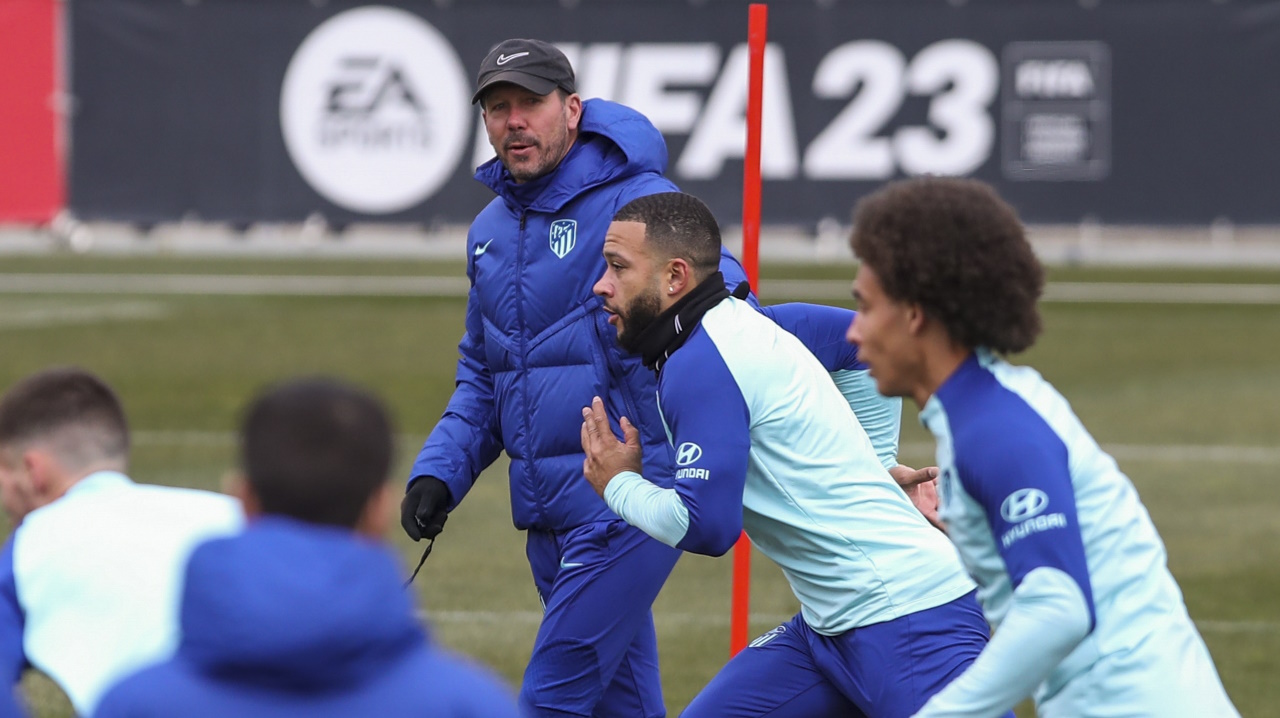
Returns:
(1165, 375)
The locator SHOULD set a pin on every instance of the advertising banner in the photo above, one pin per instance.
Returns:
(1135, 112)
(31, 187)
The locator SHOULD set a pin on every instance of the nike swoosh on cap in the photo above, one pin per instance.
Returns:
(504, 59)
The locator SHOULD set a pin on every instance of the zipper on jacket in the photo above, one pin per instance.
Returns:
(618, 373)
(540, 510)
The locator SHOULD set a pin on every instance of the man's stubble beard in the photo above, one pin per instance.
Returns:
(644, 310)
(555, 150)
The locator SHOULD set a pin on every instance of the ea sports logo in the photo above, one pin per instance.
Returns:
(374, 110)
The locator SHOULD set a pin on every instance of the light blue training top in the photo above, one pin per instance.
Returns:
(765, 440)
(90, 584)
(1070, 569)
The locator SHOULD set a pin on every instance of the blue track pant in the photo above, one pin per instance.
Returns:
(596, 653)
(885, 670)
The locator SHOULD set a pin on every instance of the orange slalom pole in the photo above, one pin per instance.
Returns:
(757, 34)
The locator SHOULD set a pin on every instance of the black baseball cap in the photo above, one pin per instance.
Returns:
(537, 66)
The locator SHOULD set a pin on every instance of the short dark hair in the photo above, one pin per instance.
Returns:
(678, 225)
(72, 409)
(316, 450)
(957, 249)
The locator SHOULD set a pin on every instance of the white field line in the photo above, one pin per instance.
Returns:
(24, 317)
(457, 286)
(1210, 454)
(233, 284)
(148, 437)
(1102, 292)
(183, 438)
(1214, 454)
(1163, 293)
(721, 620)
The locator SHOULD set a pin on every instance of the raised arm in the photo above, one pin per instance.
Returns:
(709, 426)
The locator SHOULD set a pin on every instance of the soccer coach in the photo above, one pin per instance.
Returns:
(537, 347)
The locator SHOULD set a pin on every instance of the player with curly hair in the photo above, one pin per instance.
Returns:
(1070, 569)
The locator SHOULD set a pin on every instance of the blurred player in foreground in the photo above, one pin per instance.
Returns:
(304, 614)
(764, 439)
(91, 576)
(1072, 573)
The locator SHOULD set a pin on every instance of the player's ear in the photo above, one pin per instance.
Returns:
(34, 464)
(45, 472)
(916, 319)
(573, 105)
(678, 276)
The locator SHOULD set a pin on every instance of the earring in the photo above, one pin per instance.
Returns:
(671, 290)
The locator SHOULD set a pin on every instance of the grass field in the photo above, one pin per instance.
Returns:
(1188, 395)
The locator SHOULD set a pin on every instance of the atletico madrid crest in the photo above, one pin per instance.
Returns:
(564, 234)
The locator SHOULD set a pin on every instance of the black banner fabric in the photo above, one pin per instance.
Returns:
(256, 110)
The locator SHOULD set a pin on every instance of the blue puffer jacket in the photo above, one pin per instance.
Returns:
(538, 345)
(293, 619)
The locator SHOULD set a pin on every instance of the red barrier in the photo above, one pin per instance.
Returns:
(31, 184)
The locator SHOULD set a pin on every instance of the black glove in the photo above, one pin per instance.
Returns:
(425, 508)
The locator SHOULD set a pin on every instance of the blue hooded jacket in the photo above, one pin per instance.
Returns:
(290, 619)
(538, 345)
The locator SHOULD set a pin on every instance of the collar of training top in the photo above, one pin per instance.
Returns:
(672, 327)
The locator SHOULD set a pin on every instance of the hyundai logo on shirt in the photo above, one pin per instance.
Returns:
(1024, 504)
(688, 453)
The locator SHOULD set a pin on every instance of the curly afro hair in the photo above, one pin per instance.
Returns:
(959, 251)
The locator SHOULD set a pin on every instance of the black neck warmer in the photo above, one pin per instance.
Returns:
(671, 328)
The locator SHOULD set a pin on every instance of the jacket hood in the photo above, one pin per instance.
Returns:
(614, 141)
(295, 605)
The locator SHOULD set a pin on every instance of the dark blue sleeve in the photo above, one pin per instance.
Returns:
(467, 438)
(151, 692)
(822, 329)
(13, 660)
(711, 431)
(734, 274)
(118, 702)
(1019, 473)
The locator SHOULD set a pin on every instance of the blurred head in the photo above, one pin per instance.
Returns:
(945, 255)
(527, 94)
(657, 249)
(57, 427)
(319, 451)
